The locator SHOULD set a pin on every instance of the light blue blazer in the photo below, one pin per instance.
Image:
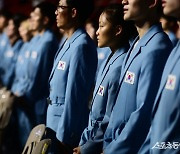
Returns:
(32, 73)
(139, 82)
(8, 63)
(173, 38)
(32, 81)
(103, 54)
(21, 80)
(166, 111)
(103, 99)
(4, 42)
(40, 65)
(39, 68)
(71, 81)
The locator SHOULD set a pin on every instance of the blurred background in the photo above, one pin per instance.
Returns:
(25, 6)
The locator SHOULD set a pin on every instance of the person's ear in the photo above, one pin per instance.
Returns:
(46, 20)
(74, 12)
(153, 3)
(118, 29)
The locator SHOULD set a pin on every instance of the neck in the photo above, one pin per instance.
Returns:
(13, 40)
(143, 25)
(178, 30)
(42, 31)
(118, 44)
(71, 28)
(69, 32)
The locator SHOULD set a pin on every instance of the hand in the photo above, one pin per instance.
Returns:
(77, 150)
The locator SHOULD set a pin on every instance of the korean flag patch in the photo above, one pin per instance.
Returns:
(129, 78)
(61, 65)
(101, 90)
(34, 55)
(10, 53)
(171, 82)
(27, 54)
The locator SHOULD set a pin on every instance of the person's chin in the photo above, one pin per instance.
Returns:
(126, 17)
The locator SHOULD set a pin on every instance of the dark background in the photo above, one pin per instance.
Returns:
(25, 6)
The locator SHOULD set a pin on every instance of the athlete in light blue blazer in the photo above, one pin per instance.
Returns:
(141, 73)
(30, 86)
(21, 80)
(106, 86)
(165, 115)
(10, 51)
(164, 136)
(39, 68)
(73, 74)
(117, 39)
(9, 62)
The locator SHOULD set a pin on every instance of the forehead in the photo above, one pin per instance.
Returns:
(11, 21)
(62, 2)
(37, 11)
(1, 16)
(103, 17)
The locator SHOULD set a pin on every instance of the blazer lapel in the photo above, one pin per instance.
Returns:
(63, 41)
(129, 59)
(59, 57)
(65, 47)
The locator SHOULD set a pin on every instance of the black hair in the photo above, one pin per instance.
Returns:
(18, 18)
(48, 9)
(93, 22)
(5, 14)
(115, 16)
(84, 8)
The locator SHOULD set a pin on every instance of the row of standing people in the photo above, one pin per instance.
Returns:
(126, 84)
(121, 124)
(25, 66)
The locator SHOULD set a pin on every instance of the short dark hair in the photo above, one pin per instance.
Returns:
(84, 8)
(18, 18)
(48, 9)
(115, 16)
(5, 14)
